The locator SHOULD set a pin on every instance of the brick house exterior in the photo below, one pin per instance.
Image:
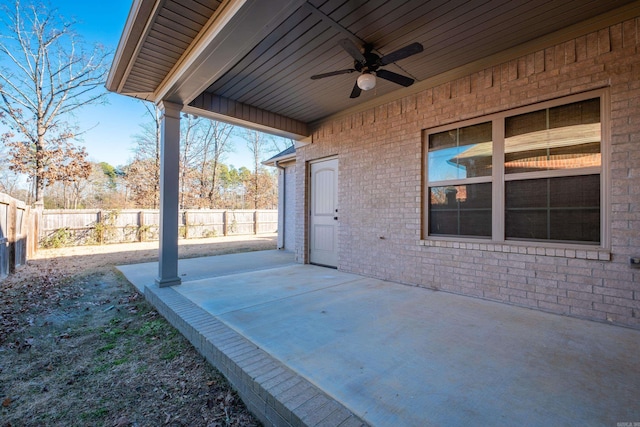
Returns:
(381, 193)
(256, 64)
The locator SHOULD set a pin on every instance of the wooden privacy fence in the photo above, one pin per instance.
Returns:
(90, 226)
(18, 231)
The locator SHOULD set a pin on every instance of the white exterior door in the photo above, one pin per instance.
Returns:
(323, 223)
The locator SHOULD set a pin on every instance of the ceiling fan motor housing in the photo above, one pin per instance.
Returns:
(370, 64)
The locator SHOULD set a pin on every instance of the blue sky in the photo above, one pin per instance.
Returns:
(111, 128)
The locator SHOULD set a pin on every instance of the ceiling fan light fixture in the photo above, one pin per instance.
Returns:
(368, 64)
(366, 81)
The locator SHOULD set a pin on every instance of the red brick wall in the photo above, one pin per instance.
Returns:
(380, 195)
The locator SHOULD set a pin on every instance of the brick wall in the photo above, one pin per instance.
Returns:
(380, 195)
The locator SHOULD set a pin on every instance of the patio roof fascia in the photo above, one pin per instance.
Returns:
(228, 35)
(281, 130)
(234, 29)
(141, 15)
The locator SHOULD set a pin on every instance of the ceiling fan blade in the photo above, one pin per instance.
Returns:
(352, 50)
(401, 53)
(356, 91)
(394, 77)
(332, 73)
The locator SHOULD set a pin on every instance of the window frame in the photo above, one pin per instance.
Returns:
(498, 178)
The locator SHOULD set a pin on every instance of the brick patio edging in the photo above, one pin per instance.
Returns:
(275, 394)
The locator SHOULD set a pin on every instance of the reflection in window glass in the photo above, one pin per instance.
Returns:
(460, 153)
(460, 210)
(565, 209)
(550, 187)
(564, 137)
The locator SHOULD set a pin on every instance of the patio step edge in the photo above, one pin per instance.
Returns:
(274, 393)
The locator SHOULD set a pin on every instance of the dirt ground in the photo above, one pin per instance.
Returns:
(80, 347)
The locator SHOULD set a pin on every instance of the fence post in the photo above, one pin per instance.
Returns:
(99, 228)
(186, 224)
(225, 223)
(142, 233)
(12, 216)
(255, 222)
(23, 237)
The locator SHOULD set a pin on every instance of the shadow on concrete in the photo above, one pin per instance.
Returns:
(314, 346)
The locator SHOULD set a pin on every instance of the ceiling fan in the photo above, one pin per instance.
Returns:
(368, 65)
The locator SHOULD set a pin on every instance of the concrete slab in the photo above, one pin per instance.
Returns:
(223, 294)
(396, 355)
(191, 269)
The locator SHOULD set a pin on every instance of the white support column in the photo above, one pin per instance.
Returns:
(169, 185)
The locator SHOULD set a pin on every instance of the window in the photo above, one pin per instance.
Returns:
(554, 209)
(460, 210)
(459, 164)
(532, 174)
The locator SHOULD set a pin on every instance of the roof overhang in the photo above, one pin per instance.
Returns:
(248, 62)
(234, 28)
(284, 157)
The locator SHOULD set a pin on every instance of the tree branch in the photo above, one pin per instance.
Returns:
(47, 82)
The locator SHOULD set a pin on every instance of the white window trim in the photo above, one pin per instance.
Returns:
(497, 242)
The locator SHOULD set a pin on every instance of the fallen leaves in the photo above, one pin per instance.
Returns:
(22, 345)
(32, 292)
(64, 357)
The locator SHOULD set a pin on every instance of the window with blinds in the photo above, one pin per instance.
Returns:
(533, 174)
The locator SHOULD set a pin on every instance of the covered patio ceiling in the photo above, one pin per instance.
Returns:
(249, 62)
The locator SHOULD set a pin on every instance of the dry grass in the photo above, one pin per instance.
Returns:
(79, 346)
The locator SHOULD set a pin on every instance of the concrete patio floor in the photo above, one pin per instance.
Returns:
(307, 345)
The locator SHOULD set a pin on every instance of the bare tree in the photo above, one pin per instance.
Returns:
(145, 167)
(61, 161)
(261, 145)
(216, 144)
(9, 180)
(50, 75)
(141, 183)
(73, 171)
(191, 148)
(256, 142)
